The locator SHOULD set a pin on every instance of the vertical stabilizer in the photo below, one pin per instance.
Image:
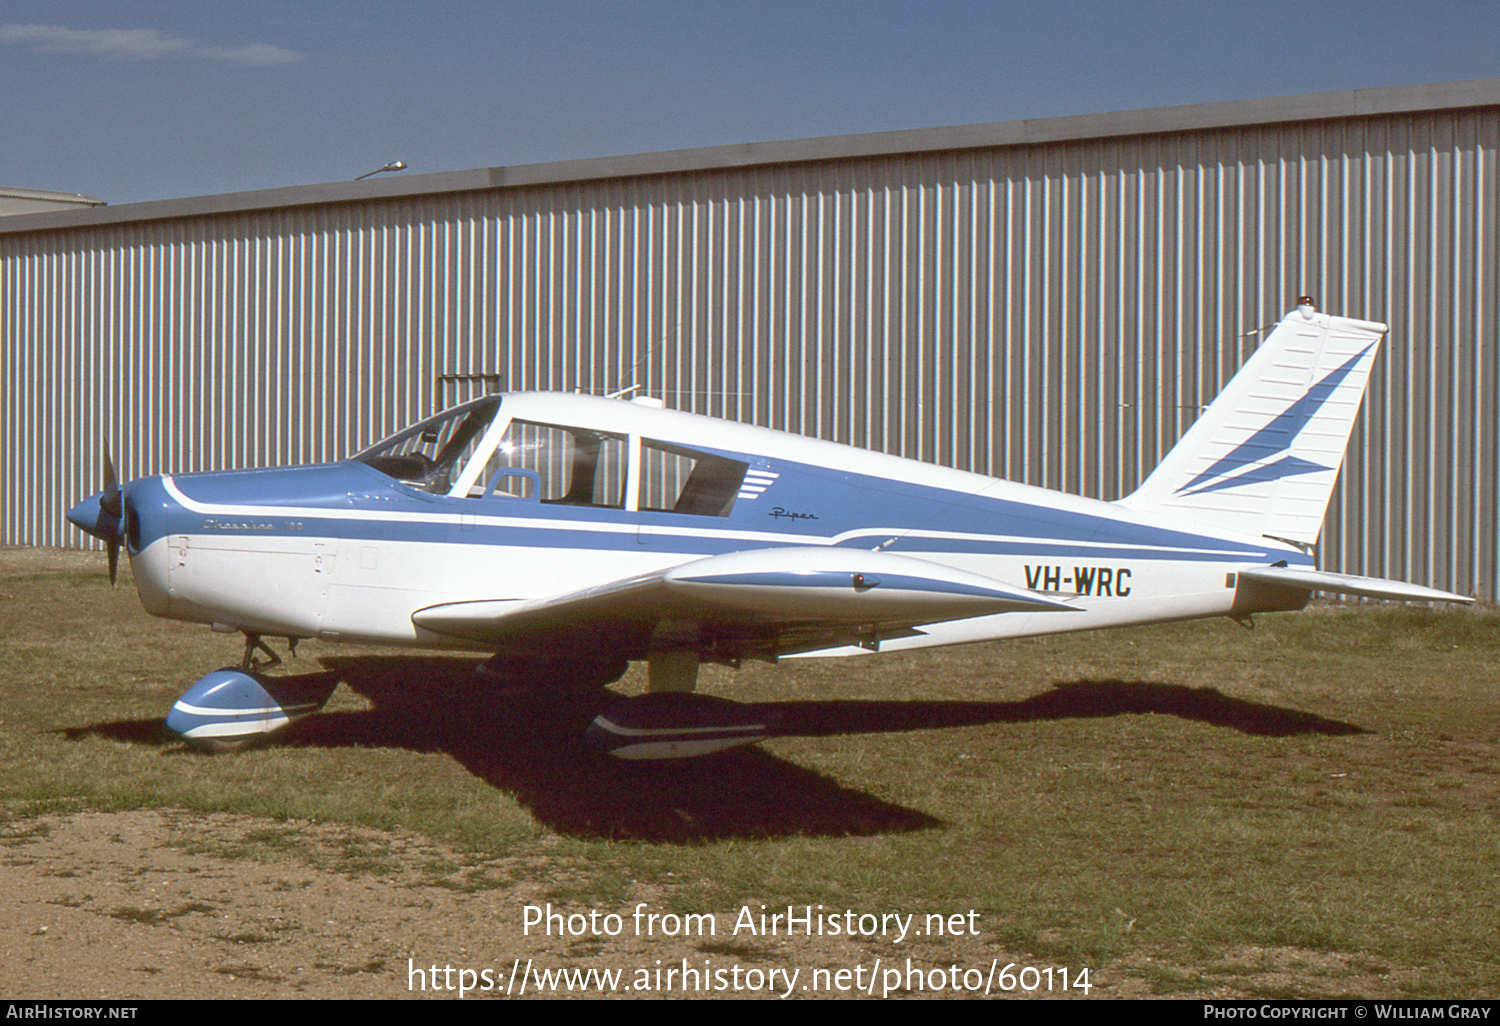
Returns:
(1263, 459)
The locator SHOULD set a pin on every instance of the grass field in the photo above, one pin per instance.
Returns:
(1304, 809)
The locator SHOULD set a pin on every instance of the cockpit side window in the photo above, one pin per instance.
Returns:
(679, 480)
(430, 455)
(561, 465)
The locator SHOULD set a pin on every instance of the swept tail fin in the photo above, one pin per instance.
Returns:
(1264, 457)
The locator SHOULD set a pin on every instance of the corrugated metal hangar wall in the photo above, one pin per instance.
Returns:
(1048, 301)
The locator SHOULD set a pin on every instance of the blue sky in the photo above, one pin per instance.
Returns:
(131, 101)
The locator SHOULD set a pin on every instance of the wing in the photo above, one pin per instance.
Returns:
(760, 603)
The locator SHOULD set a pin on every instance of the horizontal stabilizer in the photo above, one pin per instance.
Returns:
(1347, 584)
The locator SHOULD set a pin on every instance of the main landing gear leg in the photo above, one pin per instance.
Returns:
(672, 664)
(672, 671)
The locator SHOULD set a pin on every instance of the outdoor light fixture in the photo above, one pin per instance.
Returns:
(395, 165)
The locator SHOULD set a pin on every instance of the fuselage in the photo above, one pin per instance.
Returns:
(530, 495)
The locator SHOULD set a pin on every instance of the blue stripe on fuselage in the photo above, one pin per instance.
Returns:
(805, 505)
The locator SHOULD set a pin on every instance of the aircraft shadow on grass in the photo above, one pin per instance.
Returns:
(533, 748)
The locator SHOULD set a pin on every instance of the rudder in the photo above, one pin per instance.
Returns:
(1264, 457)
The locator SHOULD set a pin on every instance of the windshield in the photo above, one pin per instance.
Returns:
(430, 455)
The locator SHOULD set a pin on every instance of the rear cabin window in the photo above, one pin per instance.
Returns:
(678, 480)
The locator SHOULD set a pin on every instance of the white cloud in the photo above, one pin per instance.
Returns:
(141, 45)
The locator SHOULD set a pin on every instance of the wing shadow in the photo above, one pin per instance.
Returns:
(1081, 699)
(531, 747)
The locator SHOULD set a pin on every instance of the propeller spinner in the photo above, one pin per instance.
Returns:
(103, 516)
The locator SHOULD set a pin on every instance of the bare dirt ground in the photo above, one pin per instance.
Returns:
(137, 905)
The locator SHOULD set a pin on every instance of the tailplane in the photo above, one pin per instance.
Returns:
(1264, 457)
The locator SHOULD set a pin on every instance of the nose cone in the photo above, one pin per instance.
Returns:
(91, 516)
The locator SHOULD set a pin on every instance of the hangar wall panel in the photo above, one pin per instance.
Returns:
(1053, 313)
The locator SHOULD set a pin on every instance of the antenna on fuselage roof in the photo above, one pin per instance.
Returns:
(620, 393)
(640, 400)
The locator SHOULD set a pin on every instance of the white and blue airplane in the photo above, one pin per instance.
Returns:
(567, 535)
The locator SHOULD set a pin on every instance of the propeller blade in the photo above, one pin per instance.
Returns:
(103, 516)
(112, 504)
(110, 501)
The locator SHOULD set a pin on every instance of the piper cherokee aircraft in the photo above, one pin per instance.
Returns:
(566, 535)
